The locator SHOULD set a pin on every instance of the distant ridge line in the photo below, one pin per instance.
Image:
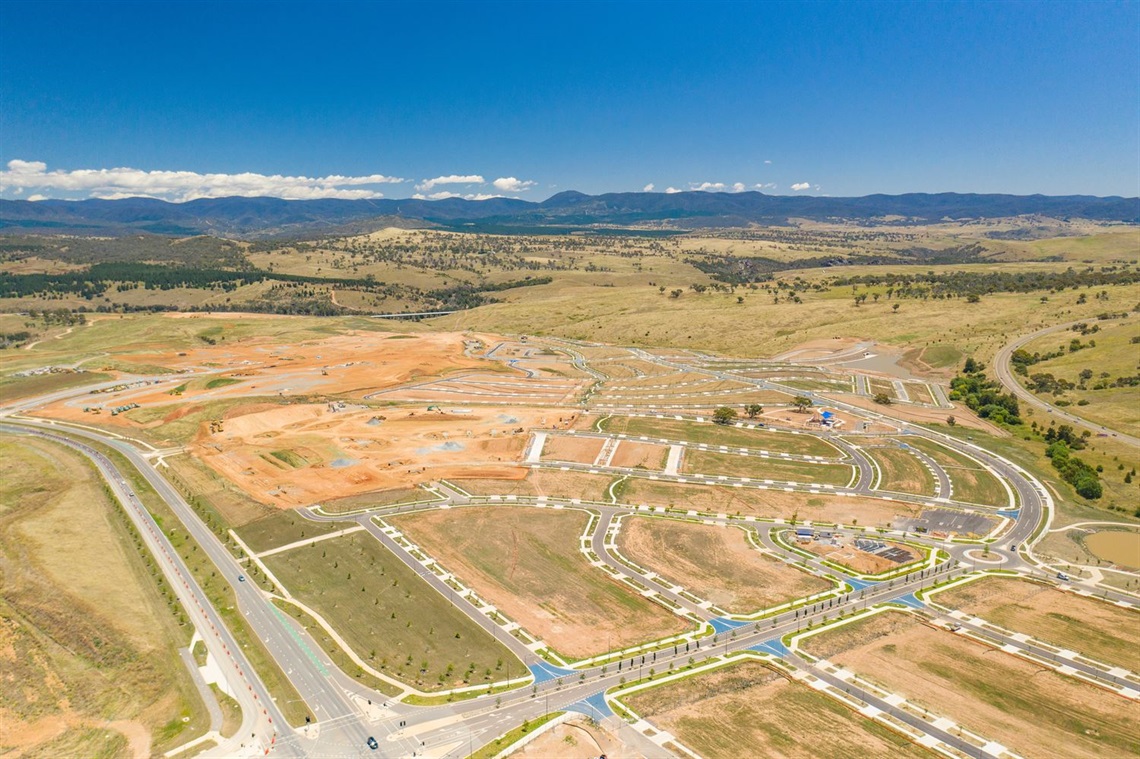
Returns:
(274, 217)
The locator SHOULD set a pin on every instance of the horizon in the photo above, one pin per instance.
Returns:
(299, 101)
(538, 201)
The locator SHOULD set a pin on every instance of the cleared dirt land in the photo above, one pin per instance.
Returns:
(640, 455)
(759, 468)
(1099, 630)
(902, 472)
(717, 499)
(390, 617)
(716, 434)
(579, 450)
(717, 564)
(549, 482)
(576, 739)
(286, 422)
(527, 563)
(85, 635)
(747, 709)
(1033, 711)
(860, 561)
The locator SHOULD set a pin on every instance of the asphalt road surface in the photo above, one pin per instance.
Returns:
(1005, 375)
(338, 704)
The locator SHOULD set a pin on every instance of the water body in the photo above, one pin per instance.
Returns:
(1118, 547)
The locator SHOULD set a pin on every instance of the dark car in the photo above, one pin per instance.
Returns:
(372, 744)
(241, 578)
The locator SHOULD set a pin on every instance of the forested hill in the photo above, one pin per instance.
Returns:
(267, 217)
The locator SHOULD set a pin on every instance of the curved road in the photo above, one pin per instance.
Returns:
(1005, 376)
(453, 729)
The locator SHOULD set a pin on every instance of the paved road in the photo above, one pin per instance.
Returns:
(261, 719)
(453, 729)
(321, 685)
(1005, 375)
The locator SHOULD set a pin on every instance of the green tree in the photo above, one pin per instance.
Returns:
(724, 415)
(802, 403)
(882, 399)
(753, 410)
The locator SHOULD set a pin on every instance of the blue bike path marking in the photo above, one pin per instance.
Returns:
(543, 672)
(593, 706)
(722, 624)
(773, 646)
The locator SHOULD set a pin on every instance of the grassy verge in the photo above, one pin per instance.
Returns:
(338, 655)
(503, 741)
(279, 528)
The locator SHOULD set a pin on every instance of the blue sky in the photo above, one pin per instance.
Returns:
(530, 98)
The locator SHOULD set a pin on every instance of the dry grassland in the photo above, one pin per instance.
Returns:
(972, 483)
(640, 455)
(1034, 711)
(548, 482)
(748, 710)
(717, 564)
(696, 461)
(526, 562)
(771, 504)
(85, 635)
(1100, 630)
(902, 472)
(716, 434)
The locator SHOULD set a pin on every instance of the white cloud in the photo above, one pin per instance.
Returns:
(768, 162)
(766, 186)
(718, 187)
(801, 186)
(443, 195)
(672, 190)
(647, 188)
(37, 196)
(510, 184)
(427, 184)
(187, 185)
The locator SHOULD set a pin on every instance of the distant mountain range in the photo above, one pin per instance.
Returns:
(566, 211)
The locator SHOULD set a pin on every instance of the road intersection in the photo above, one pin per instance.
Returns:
(345, 713)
